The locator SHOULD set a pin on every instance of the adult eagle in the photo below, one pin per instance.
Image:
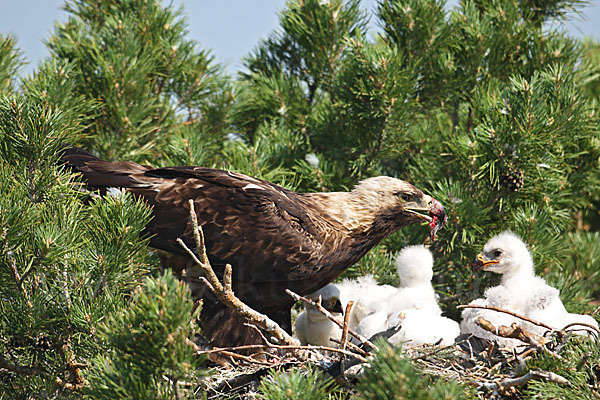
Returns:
(274, 238)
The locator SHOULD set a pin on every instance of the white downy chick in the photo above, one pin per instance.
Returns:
(420, 328)
(415, 306)
(415, 270)
(369, 298)
(520, 290)
(312, 327)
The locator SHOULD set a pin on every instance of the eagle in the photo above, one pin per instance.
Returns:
(274, 238)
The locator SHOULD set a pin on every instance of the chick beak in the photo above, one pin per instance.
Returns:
(480, 263)
(337, 307)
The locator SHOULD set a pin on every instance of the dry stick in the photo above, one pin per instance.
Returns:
(361, 338)
(282, 347)
(585, 327)
(502, 310)
(533, 374)
(346, 326)
(248, 359)
(515, 331)
(224, 292)
(352, 346)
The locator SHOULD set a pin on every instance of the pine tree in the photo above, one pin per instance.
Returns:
(486, 106)
(137, 49)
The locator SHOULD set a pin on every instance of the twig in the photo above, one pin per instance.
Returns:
(345, 328)
(585, 327)
(514, 331)
(361, 338)
(76, 379)
(17, 276)
(438, 349)
(282, 347)
(351, 346)
(533, 374)
(259, 332)
(65, 286)
(19, 369)
(224, 292)
(514, 314)
(248, 359)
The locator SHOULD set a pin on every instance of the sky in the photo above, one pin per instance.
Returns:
(229, 28)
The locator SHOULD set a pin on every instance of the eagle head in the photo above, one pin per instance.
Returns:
(397, 203)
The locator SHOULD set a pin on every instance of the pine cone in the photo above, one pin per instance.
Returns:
(512, 179)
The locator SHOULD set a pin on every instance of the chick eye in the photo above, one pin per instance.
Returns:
(497, 253)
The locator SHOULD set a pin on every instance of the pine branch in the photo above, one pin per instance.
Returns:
(223, 291)
(17, 276)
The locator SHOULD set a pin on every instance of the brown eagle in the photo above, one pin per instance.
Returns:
(274, 238)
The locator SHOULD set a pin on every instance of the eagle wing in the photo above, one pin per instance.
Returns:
(263, 230)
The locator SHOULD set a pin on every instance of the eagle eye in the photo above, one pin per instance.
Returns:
(403, 196)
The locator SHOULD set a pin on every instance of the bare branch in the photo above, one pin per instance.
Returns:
(514, 314)
(584, 327)
(346, 326)
(282, 347)
(17, 276)
(533, 374)
(223, 291)
(514, 331)
(318, 306)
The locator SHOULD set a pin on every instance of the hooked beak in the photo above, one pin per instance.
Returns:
(480, 263)
(433, 213)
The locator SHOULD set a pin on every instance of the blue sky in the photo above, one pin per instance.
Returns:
(230, 28)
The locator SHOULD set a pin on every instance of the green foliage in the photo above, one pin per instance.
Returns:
(391, 375)
(296, 384)
(137, 49)
(11, 61)
(485, 106)
(150, 354)
(579, 365)
(62, 270)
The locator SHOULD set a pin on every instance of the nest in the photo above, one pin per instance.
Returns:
(496, 372)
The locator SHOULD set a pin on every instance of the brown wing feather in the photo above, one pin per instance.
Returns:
(261, 229)
(271, 236)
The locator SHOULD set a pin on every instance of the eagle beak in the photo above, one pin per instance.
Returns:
(436, 215)
(480, 263)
